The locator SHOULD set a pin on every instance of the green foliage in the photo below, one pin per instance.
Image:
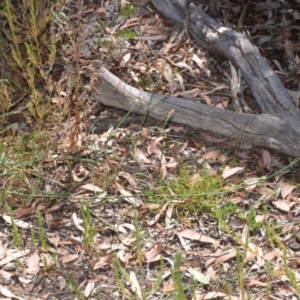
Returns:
(28, 55)
(290, 274)
(197, 195)
(126, 34)
(33, 237)
(89, 230)
(74, 287)
(138, 242)
(229, 208)
(42, 234)
(128, 10)
(6, 90)
(45, 265)
(176, 275)
(21, 166)
(240, 259)
(249, 217)
(18, 263)
(139, 252)
(103, 23)
(17, 239)
(159, 279)
(120, 275)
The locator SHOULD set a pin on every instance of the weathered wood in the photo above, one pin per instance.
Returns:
(277, 128)
(265, 85)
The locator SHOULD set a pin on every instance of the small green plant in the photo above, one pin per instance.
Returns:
(28, 55)
(240, 259)
(89, 230)
(18, 263)
(42, 234)
(119, 271)
(128, 10)
(33, 237)
(249, 217)
(290, 274)
(17, 239)
(3, 195)
(197, 192)
(75, 289)
(176, 275)
(227, 287)
(126, 34)
(139, 252)
(157, 283)
(138, 241)
(192, 287)
(45, 265)
(229, 208)
(120, 275)
(6, 90)
(103, 24)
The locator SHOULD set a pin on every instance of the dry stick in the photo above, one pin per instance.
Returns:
(242, 16)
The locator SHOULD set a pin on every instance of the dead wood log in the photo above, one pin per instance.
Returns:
(277, 128)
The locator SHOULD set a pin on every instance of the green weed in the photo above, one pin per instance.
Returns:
(176, 275)
(197, 192)
(42, 234)
(28, 55)
(128, 10)
(121, 276)
(89, 230)
(126, 34)
(74, 287)
(17, 238)
(33, 237)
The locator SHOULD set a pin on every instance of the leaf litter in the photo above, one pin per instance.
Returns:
(250, 222)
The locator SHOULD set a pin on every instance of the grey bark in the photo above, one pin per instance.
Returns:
(276, 128)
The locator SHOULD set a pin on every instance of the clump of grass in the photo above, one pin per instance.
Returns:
(17, 239)
(74, 287)
(196, 192)
(89, 230)
(28, 55)
(128, 10)
(176, 275)
(21, 166)
(42, 234)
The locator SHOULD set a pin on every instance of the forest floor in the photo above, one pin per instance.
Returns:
(98, 203)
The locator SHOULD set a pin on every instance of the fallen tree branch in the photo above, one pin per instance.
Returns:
(277, 128)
